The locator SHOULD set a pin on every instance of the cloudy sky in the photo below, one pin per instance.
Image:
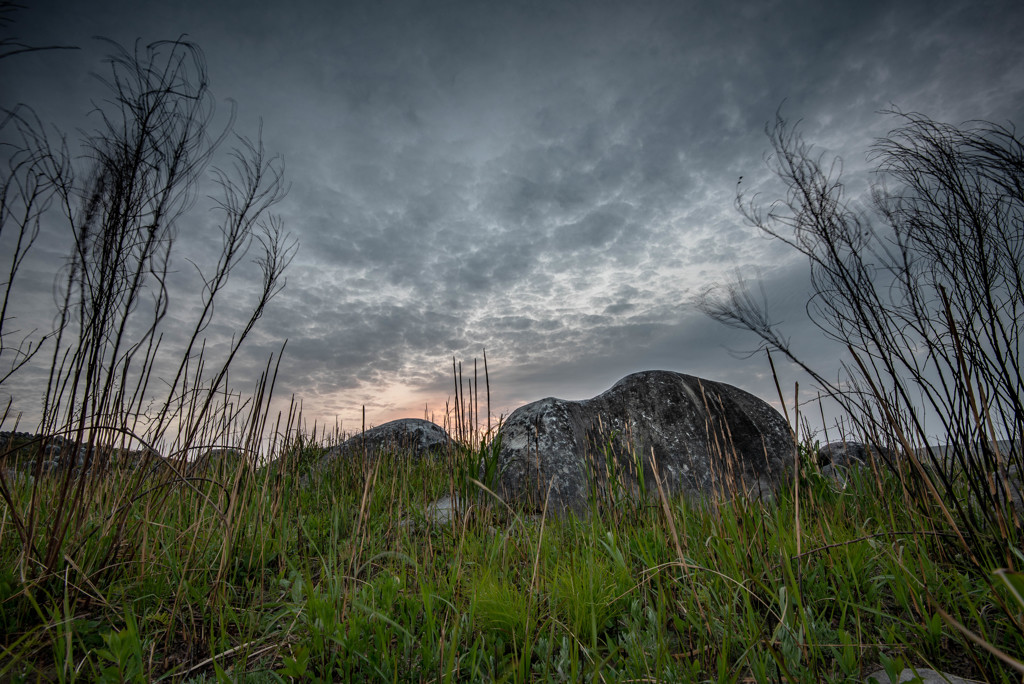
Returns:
(550, 181)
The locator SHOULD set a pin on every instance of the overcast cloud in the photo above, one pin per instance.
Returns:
(551, 181)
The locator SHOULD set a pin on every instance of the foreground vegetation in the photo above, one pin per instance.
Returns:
(242, 575)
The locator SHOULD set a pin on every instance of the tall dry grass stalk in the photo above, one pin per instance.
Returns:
(115, 398)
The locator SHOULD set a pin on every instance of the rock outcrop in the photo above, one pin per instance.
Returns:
(704, 437)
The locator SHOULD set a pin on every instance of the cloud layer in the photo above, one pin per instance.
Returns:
(553, 182)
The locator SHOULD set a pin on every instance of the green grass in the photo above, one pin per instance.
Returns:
(255, 578)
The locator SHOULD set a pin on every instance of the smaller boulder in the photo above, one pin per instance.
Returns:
(414, 436)
(837, 459)
(848, 454)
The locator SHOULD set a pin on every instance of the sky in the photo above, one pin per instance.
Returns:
(552, 182)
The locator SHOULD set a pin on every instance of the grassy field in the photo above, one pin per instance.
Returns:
(241, 575)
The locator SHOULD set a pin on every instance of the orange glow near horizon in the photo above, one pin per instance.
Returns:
(383, 405)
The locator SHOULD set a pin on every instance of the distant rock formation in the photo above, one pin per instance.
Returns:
(837, 459)
(705, 437)
(23, 451)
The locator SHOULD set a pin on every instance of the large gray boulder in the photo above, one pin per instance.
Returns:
(706, 438)
(412, 436)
